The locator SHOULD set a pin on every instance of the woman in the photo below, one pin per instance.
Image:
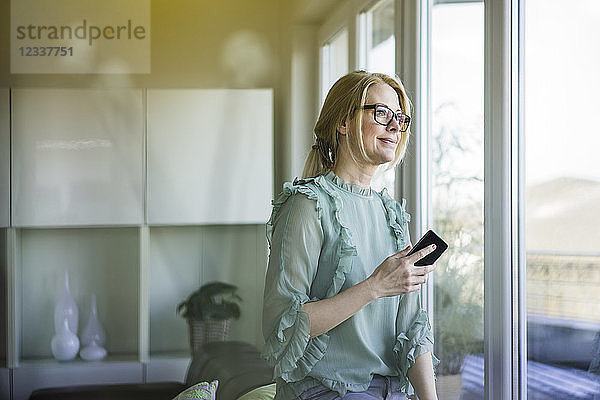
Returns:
(342, 315)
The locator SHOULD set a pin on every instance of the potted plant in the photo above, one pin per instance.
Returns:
(209, 311)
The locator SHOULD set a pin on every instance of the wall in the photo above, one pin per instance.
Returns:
(225, 44)
(191, 43)
(194, 44)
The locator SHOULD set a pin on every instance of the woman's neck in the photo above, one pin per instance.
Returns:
(350, 172)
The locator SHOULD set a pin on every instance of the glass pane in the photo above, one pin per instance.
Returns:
(562, 138)
(380, 42)
(378, 55)
(334, 64)
(456, 195)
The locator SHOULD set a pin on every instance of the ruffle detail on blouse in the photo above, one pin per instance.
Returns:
(290, 189)
(347, 247)
(397, 217)
(293, 357)
(408, 348)
(351, 187)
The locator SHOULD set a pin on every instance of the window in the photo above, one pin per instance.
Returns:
(377, 41)
(541, 264)
(562, 179)
(455, 164)
(334, 61)
(377, 54)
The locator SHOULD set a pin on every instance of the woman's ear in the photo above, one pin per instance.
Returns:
(342, 128)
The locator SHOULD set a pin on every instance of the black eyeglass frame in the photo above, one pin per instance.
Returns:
(396, 115)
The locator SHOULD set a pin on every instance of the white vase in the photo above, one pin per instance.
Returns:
(66, 308)
(93, 352)
(93, 331)
(65, 344)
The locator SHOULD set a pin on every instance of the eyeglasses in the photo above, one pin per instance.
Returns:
(384, 115)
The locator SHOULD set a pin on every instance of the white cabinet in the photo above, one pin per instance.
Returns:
(4, 158)
(77, 157)
(209, 156)
(143, 196)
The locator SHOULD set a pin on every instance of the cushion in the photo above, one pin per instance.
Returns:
(266, 392)
(202, 390)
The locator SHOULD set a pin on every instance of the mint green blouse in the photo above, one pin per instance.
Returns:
(325, 236)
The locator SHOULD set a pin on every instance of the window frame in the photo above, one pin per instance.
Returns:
(504, 336)
(346, 16)
(505, 333)
(502, 272)
(341, 19)
(365, 24)
(324, 57)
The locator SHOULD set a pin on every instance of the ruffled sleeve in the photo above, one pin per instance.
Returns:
(295, 238)
(397, 218)
(414, 337)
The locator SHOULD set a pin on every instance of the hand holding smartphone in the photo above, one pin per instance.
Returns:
(428, 239)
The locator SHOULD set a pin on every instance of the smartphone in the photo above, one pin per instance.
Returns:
(429, 238)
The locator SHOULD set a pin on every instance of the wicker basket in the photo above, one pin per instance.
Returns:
(202, 332)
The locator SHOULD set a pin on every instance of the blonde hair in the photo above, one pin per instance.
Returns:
(347, 95)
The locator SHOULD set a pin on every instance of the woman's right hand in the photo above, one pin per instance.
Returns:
(398, 274)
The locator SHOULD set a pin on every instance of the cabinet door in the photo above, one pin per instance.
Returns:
(209, 156)
(4, 158)
(77, 157)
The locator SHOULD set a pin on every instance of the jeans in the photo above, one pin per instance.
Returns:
(380, 389)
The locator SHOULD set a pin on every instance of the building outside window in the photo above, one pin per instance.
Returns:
(562, 181)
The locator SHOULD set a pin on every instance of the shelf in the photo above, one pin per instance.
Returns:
(101, 261)
(182, 258)
(110, 359)
(171, 355)
(176, 270)
(36, 374)
(40, 375)
(106, 262)
(238, 254)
